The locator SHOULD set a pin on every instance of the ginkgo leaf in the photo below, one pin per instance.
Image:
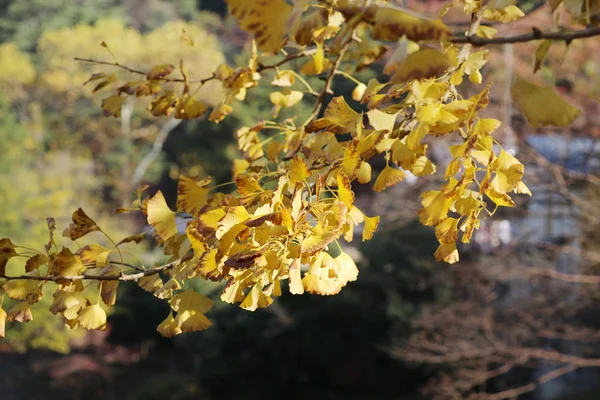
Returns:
(192, 321)
(506, 14)
(363, 175)
(21, 312)
(382, 121)
(486, 32)
(81, 226)
(388, 177)
(150, 283)
(391, 24)
(161, 217)
(23, 289)
(351, 160)
(541, 105)
(339, 117)
(111, 105)
(188, 107)
(169, 328)
(94, 254)
(425, 63)
(499, 198)
(435, 207)
(256, 298)
(220, 112)
(191, 300)
(295, 277)
(34, 262)
(266, 20)
(2, 323)
(160, 71)
(359, 91)
(299, 171)
(284, 78)
(92, 317)
(345, 193)
(286, 98)
(509, 172)
(192, 195)
(7, 251)
(540, 54)
(65, 263)
(447, 252)
(346, 267)
(370, 227)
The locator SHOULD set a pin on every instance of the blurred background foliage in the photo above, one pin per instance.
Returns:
(58, 153)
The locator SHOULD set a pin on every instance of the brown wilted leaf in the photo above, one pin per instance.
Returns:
(81, 226)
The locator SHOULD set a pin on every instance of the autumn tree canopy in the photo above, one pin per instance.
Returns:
(291, 198)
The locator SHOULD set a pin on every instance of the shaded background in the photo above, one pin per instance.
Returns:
(409, 328)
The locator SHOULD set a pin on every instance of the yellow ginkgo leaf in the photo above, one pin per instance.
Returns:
(94, 254)
(266, 20)
(391, 24)
(435, 207)
(21, 312)
(7, 251)
(382, 121)
(191, 300)
(346, 268)
(220, 112)
(65, 263)
(2, 323)
(286, 98)
(299, 171)
(192, 194)
(81, 226)
(541, 105)
(188, 107)
(486, 32)
(370, 227)
(540, 54)
(160, 71)
(388, 177)
(161, 217)
(169, 328)
(363, 175)
(485, 126)
(192, 321)
(499, 198)
(447, 230)
(92, 317)
(339, 117)
(34, 262)
(359, 91)
(23, 289)
(447, 252)
(256, 298)
(509, 172)
(150, 283)
(345, 193)
(295, 278)
(111, 106)
(506, 14)
(423, 64)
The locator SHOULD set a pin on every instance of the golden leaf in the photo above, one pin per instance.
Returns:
(371, 224)
(339, 117)
(188, 107)
(164, 104)
(65, 263)
(363, 175)
(506, 14)
(423, 64)
(192, 195)
(345, 193)
(541, 105)
(2, 323)
(191, 300)
(7, 251)
(94, 254)
(160, 71)
(388, 177)
(266, 20)
(81, 226)
(359, 91)
(391, 24)
(111, 106)
(540, 54)
(169, 328)
(256, 298)
(150, 283)
(23, 289)
(35, 262)
(192, 321)
(447, 252)
(295, 278)
(161, 217)
(92, 317)
(20, 313)
(298, 170)
(351, 160)
(220, 112)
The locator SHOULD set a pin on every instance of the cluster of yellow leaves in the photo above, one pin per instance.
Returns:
(293, 198)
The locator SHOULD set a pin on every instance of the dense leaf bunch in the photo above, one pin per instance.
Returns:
(293, 197)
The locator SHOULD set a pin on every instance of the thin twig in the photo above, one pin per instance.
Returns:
(527, 37)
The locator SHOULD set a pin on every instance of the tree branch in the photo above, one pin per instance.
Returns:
(129, 277)
(528, 37)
